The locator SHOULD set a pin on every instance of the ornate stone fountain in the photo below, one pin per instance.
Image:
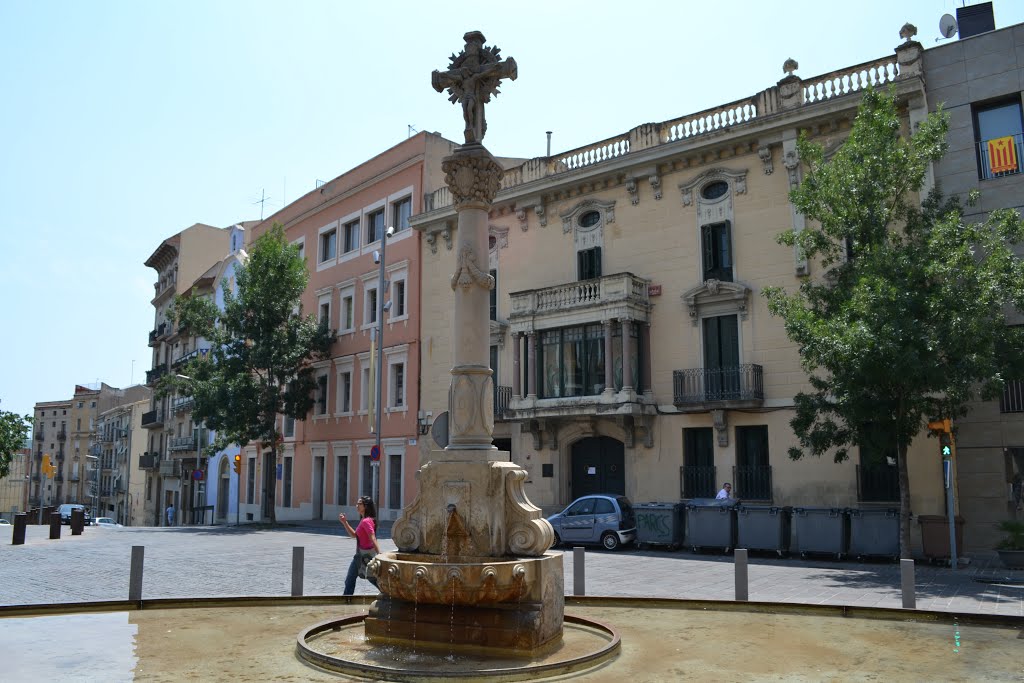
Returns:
(473, 569)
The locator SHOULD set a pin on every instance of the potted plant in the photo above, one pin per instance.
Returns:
(1011, 548)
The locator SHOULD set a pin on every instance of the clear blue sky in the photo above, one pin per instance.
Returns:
(125, 122)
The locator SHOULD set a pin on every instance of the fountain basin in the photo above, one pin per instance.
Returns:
(432, 580)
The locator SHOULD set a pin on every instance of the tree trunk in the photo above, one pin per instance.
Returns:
(904, 503)
(272, 486)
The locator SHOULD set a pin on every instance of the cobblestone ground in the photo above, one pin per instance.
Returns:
(256, 561)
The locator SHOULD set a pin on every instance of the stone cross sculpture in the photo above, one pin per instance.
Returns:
(473, 77)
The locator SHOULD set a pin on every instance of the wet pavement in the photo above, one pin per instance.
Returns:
(252, 560)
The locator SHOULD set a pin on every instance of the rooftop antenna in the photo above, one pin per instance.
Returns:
(262, 200)
(947, 27)
(412, 130)
(549, 142)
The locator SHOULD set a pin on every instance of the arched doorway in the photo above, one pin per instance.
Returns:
(598, 466)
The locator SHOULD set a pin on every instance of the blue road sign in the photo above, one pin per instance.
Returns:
(375, 452)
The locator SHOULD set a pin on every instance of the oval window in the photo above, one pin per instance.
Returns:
(715, 190)
(589, 219)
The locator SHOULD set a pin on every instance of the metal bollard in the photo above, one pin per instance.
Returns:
(298, 560)
(135, 574)
(742, 588)
(907, 584)
(20, 522)
(579, 582)
(54, 526)
(77, 521)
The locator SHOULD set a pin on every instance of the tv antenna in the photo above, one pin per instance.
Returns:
(412, 130)
(947, 27)
(262, 201)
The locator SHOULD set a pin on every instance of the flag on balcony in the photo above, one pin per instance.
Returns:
(1002, 155)
(372, 389)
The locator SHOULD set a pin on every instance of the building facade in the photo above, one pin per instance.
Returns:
(120, 483)
(978, 80)
(632, 348)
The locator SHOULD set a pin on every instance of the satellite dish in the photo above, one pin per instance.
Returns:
(947, 26)
(439, 430)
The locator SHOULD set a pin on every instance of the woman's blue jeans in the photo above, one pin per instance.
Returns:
(353, 574)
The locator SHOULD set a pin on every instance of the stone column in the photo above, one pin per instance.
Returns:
(627, 356)
(517, 383)
(531, 357)
(609, 362)
(473, 176)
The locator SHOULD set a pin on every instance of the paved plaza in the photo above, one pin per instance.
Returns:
(256, 561)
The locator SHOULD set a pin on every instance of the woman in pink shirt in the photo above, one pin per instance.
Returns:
(365, 534)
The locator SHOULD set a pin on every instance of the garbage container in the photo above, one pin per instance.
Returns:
(659, 524)
(763, 527)
(935, 535)
(875, 532)
(711, 523)
(819, 530)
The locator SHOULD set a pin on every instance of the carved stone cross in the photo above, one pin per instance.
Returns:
(472, 78)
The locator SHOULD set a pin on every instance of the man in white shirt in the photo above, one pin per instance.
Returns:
(725, 493)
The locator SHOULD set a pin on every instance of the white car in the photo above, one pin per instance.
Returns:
(106, 521)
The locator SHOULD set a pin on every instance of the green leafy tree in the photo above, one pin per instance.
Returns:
(262, 351)
(908, 322)
(13, 432)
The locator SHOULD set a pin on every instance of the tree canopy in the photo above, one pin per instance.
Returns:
(262, 350)
(13, 432)
(908, 321)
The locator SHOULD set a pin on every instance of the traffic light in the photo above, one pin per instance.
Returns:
(47, 468)
(238, 464)
(944, 430)
(946, 443)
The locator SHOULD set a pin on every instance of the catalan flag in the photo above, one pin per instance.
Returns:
(1002, 155)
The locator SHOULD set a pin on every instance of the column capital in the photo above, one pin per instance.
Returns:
(473, 175)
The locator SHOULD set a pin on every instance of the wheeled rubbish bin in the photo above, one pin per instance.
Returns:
(659, 524)
(819, 530)
(711, 523)
(763, 527)
(875, 532)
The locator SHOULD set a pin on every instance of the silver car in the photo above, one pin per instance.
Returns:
(605, 520)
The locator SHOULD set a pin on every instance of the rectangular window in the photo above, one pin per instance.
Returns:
(370, 306)
(878, 477)
(289, 427)
(328, 245)
(494, 296)
(321, 394)
(366, 483)
(398, 299)
(588, 262)
(573, 362)
(324, 313)
(301, 247)
(374, 225)
(722, 377)
(397, 385)
(286, 484)
(347, 311)
(341, 481)
(395, 481)
(998, 129)
(699, 463)
(716, 243)
(401, 212)
(345, 391)
(753, 477)
(351, 236)
(250, 481)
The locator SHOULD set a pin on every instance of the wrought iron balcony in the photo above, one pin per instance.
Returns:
(154, 419)
(40, 435)
(152, 376)
(878, 483)
(697, 482)
(752, 483)
(183, 443)
(186, 358)
(157, 333)
(699, 389)
(148, 460)
(502, 398)
(62, 435)
(170, 468)
(183, 404)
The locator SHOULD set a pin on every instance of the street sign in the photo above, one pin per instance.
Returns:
(375, 453)
(198, 475)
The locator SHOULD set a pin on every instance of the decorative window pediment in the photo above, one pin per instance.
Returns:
(718, 298)
(571, 217)
(737, 179)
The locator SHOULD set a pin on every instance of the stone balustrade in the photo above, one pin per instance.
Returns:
(710, 120)
(851, 79)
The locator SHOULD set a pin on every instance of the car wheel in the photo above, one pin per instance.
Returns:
(558, 541)
(610, 541)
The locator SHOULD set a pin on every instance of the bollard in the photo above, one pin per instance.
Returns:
(20, 522)
(77, 521)
(135, 573)
(54, 526)
(579, 583)
(907, 584)
(298, 559)
(742, 593)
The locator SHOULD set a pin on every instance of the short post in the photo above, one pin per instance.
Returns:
(742, 592)
(579, 582)
(135, 574)
(907, 584)
(77, 521)
(298, 560)
(20, 522)
(54, 526)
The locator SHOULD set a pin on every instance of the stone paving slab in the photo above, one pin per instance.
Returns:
(256, 561)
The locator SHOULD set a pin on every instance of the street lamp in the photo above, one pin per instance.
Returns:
(381, 309)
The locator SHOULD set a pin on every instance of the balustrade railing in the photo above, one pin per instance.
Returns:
(1001, 156)
(707, 385)
(732, 114)
(595, 153)
(851, 79)
(502, 398)
(183, 443)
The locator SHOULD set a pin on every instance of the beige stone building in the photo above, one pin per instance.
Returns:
(14, 488)
(120, 482)
(633, 351)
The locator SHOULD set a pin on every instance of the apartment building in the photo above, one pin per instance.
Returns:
(632, 349)
(120, 482)
(978, 80)
(14, 488)
(340, 227)
(50, 438)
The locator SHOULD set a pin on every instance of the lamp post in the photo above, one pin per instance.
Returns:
(381, 309)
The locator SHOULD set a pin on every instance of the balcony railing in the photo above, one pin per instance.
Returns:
(1001, 157)
(40, 435)
(182, 404)
(502, 397)
(697, 481)
(153, 419)
(170, 468)
(157, 333)
(148, 460)
(186, 358)
(1012, 400)
(878, 483)
(601, 291)
(183, 443)
(152, 376)
(699, 386)
(752, 483)
(62, 435)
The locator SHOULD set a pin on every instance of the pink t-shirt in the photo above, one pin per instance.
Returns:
(364, 533)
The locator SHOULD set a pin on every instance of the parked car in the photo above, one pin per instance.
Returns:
(4, 522)
(605, 520)
(105, 521)
(65, 513)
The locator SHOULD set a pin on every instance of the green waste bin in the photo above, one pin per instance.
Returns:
(659, 524)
